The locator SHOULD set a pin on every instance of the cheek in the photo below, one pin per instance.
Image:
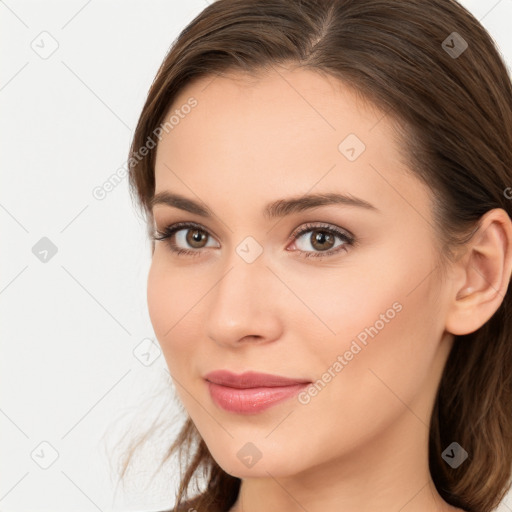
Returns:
(387, 335)
(161, 298)
(382, 293)
(384, 377)
(382, 315)
(171, 298)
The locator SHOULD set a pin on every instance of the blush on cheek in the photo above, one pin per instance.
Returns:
(171, 306)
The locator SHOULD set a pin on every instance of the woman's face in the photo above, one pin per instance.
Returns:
(362, 320)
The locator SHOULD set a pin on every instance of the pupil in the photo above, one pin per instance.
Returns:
(195, 237)
(321, 238)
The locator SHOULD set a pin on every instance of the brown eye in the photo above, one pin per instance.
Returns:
(321, 240)
(195, 238)
(186, 239)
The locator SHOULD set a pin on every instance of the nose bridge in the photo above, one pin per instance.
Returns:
(245, 270)
(241, 303)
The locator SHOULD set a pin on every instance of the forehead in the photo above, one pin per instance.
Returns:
(284, 131)
(271, 101)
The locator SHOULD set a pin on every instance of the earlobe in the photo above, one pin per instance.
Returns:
(485, 272)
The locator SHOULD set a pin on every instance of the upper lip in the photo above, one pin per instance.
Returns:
(251, 379)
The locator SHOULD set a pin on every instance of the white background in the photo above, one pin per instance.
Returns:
(75, 328)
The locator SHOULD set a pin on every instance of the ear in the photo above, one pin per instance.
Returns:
(483, 274)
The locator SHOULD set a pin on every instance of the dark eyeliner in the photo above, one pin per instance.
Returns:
(346, 237)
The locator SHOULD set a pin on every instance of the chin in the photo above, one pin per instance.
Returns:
(272, 464)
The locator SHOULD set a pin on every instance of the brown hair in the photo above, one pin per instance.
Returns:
(454, 116)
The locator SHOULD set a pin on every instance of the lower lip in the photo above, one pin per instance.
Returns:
(251, 400)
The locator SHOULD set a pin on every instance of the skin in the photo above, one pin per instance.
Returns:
(360, 444)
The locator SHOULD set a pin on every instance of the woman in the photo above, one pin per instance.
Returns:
(327, 187)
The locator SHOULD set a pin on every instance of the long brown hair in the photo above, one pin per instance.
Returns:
(453, 110)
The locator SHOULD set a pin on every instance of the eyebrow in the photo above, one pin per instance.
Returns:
(279, 208)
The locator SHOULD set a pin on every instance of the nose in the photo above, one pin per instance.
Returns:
(246, 305)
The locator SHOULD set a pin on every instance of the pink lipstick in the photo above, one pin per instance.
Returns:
(251, 392)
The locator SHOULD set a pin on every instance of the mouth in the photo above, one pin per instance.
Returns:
(251, 392)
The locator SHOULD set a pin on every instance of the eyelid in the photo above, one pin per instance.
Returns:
(312, 225)
(172, 228)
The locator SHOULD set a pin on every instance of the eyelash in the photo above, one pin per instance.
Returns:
(169, 231)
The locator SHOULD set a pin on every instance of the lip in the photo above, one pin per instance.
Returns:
(251, 392)
(251, 379)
